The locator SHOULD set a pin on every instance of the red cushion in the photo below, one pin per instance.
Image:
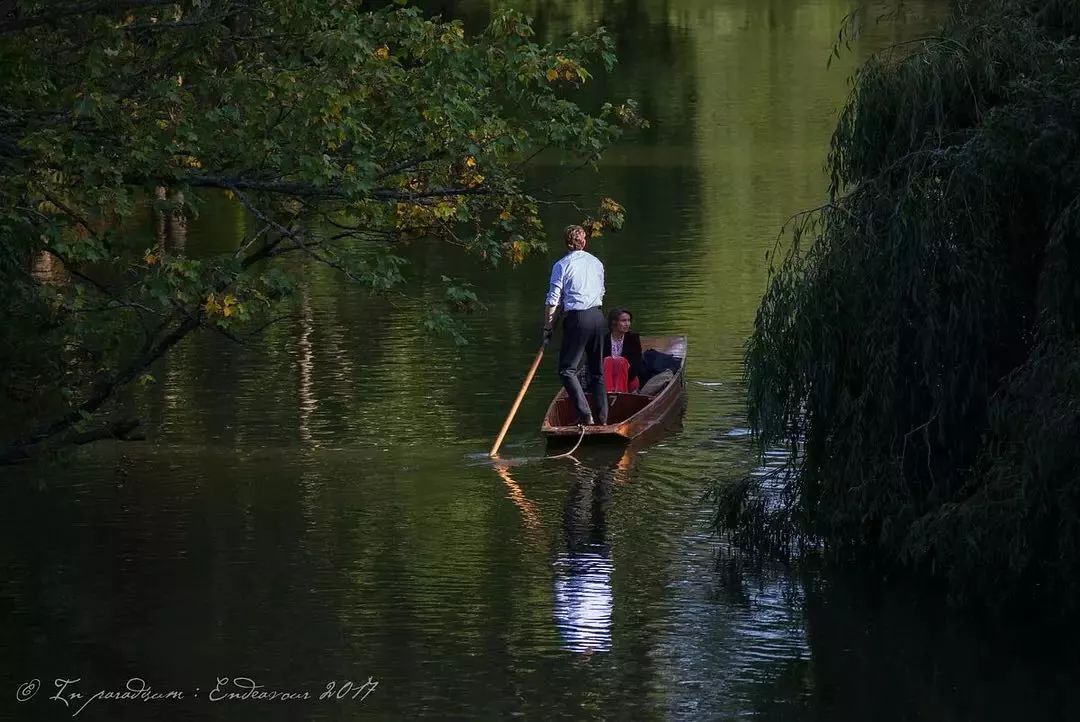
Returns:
(616, 374)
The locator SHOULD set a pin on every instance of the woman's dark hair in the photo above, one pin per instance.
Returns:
(613, 316)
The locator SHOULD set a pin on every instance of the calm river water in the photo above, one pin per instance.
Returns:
(317, 507)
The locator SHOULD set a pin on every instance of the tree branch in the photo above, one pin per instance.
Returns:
(190, 23)
(120, 430)
(306, 190)
(69, 11)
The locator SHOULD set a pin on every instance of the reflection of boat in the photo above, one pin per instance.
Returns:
(629, 415)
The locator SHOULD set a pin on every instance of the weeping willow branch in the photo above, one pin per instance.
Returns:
(913, 352)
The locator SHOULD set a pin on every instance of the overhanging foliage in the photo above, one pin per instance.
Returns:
(383, 126)
(915, 352)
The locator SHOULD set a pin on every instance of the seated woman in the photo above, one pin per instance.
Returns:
(628, 371)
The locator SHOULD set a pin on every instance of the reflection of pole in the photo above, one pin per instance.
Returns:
(529, 512)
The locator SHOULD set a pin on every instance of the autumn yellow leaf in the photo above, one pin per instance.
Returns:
(515, 251)
(470, 162)
(211, 306)
(382, 53)
(228, 304)
(505, 216)
(610, 205)
(552, 75)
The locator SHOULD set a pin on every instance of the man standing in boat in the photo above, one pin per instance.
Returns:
(577, 284)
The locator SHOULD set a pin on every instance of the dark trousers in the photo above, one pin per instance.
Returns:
(583, 333)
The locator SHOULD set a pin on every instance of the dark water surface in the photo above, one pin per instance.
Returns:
(318, 507)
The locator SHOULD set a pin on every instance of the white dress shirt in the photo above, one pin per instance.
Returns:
(577, 280)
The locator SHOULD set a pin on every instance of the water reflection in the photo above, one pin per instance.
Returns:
(309, 402)
(583, 566)
(172, 226)
(49, 269)
(530, 514)
(583, 599)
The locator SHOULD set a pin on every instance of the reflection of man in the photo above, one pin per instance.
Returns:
(584, 597)
(583, 600)
(577, 284)
(583, 591)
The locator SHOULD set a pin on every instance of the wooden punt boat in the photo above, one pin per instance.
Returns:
(629, 415)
